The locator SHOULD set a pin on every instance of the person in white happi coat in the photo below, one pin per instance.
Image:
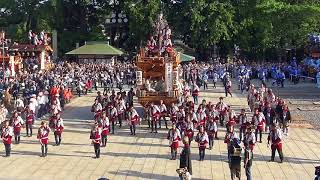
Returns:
(133, 119)
(33, 105)
(222, 108)
(113, 116)
(275, 136)
(271, 98)
(42, 101)
(19, 104)
(105, 126)
(202, 140)
(154, 114)
(121, 108)
(251, 97)
(230, 135)
(189, 128)
(186, 91)
(174, 138)
(249, 138)
(163, 114)
(212, 130)
(215, 79)
(17, 123)
(55, 108)
(228, 86)
(3, 114)
(173, 113)
(258, 121)
(97, 110)
(201, 116)
(6, 135)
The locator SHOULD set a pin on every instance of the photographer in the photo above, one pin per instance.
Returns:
(185, 159)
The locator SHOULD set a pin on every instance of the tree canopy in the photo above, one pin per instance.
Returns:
(256, 26)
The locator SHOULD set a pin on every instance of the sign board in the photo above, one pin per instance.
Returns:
(139, 78)
(169, 76)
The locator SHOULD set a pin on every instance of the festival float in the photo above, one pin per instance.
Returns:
(312, 50)
(158, 68)
(41, 52)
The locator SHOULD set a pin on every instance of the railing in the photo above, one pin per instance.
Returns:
(144, 93)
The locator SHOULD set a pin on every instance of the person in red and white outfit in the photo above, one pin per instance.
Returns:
(105, 126)
(55, 108)
(212, 130)
(258, 120)
(228, 87)
(174, 138)
(173, 113)
(133, 120)
(201, 115)
(222, 108)
(230, 135)
(186, 92)
(58, 128)
(33, 105)
(155, 112)
(95, 137)
(193, 118)
(189, 128)
(195, 93)
(232, 119)
(17, 123)
(3, 113)
(163, 114)
(271, 98)
(167, 46)
(181, 116)
(249, 137)
(242, 121)
(43, 136)
(121, 108)
(30, 116)
(97, 110)
(202, 140)
(275, 136)
(113, 117)
(6, 135)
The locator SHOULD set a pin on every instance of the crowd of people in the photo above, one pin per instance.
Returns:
(35, 94)
(39, 39)
(193, 122)
(30, 95)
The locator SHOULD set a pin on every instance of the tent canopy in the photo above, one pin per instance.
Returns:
(186, 58)
(96, 48)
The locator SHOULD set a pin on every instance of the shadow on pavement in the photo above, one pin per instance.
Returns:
(139, 174)
(53, 143)
(79, 113)
(32, 153)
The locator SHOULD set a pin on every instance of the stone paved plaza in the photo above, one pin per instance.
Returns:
(146, 156)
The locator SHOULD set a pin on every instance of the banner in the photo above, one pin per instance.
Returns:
(139, 78)
(168, 76)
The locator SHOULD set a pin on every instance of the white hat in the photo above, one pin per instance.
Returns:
(46, 93)
(57, 95)
(33, 95)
